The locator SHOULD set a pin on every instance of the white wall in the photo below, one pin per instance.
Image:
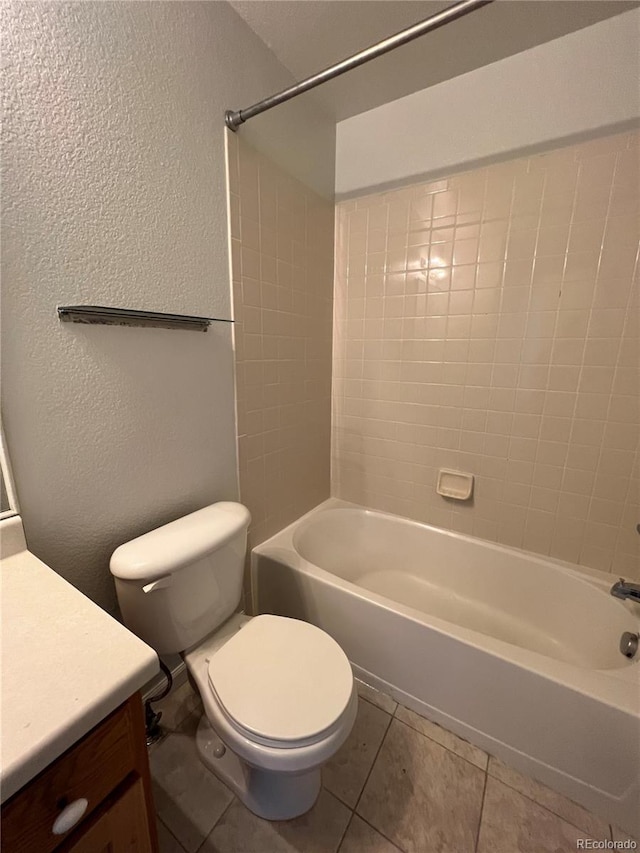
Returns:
(114, 194)
(568, 89)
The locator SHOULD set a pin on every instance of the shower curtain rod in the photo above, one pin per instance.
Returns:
(234, 118)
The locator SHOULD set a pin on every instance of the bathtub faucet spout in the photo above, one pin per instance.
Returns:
(624, 589)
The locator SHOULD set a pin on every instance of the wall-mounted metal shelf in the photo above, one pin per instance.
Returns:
(129, 317)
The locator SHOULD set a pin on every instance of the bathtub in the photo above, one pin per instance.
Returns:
(517, 653)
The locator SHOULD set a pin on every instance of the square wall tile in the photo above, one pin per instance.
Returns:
(283, 298)
(503, 319)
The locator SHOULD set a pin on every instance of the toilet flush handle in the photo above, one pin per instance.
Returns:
(161, 583)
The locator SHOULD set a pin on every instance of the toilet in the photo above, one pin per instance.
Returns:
(278, 693)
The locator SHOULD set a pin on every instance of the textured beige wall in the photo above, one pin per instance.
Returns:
(488, 322)
(113, 185)
(282, 270)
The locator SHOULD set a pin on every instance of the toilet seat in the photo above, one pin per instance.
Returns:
(281, 682)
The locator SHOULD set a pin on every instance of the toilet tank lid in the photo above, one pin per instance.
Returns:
(168, 548)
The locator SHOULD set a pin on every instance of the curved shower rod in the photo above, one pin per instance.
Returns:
(234, 118)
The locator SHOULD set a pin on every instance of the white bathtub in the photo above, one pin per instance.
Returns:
(518, 654)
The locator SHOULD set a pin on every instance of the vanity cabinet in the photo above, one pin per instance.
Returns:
(109, 769)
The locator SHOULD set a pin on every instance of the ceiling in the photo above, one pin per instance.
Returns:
(308, 35)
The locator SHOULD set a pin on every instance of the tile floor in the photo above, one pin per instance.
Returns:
(399, 783)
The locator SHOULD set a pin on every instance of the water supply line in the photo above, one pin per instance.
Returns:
(151, 717)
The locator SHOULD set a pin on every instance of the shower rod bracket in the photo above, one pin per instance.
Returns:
(233, 119)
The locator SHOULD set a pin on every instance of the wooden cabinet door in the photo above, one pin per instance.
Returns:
(91, 769)
(122, 828)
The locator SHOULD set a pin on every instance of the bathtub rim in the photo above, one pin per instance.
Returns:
(618, 688)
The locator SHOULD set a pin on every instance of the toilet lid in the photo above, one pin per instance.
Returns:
(281, 679)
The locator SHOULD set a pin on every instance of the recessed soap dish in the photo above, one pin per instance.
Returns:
(455, 484)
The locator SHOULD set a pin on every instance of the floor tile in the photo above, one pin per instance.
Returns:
(512, 823)
(318, 831)
(620, 835)
(376, 697)
(345, 774)
(362, 838)
(560, 805)
(166, 842)
(177, 706)
(445, 738)
(189, 798)
(421, 795)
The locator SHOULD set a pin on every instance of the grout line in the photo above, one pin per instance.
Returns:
(337, 797)
(346, 829)
(373, 763)
(437, 742)
(226, 809)
(159, 820)
(373, 705)
(541, 415)
(493, 776)
(484, 791)
(541, 805)
(605, 418)
(375, 829)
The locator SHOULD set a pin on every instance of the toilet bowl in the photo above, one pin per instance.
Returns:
(263, 732)
(278, 693)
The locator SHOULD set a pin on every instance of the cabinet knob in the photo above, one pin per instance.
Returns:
(69, 816)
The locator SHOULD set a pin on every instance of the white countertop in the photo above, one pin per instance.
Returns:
(66, 663)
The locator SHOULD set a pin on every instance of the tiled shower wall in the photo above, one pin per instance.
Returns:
(282, 273)
(488, 322)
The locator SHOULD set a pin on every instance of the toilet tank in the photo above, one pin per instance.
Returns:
(179, 582)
